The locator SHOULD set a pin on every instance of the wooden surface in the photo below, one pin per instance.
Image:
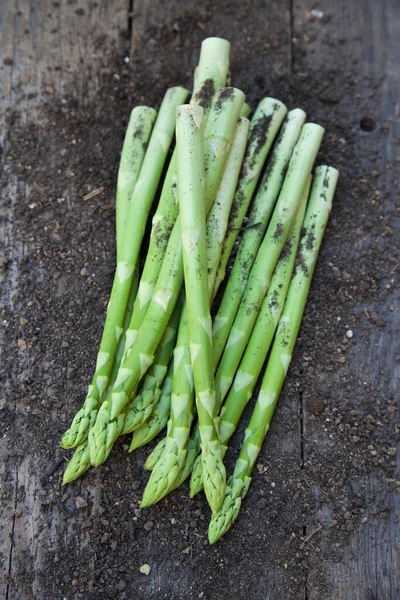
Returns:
(53, 49)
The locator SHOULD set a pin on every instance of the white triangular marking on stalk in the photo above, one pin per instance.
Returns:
(225, 431)
(207, 400)
(218, 147)
(266, 429)
(178, 356)
(207, 326)
(118, 332)
(275, 312)
(156, 220)
(130, 338)
(252, 452)
(181, 436)
(285, 359)
(241, 465)
(123, 374)
(242, 380)
(138, 185)
(189, 375)
(247, 434)
(164, 140)
(102, 358)
(197, 115)
(235, 336)
(190, 240)
(224, 385)
(163, 297)
(90, 390)
(118, 399)
(179, 403)
(124, 271)
(218, 323)
(194, 350)
(160, 372)
(265, 399)
(101, 383)
(145, 362)
(169, 334)
(145, 293)
(206, 433)
(149, 382)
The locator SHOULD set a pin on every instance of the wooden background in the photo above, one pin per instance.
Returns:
(59, 57)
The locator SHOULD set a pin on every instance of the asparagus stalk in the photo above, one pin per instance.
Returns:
(258, 219)
(314, 226)
(139, 207)
(133, 151)
(211, 72)
(264, 329)
(265, 124)
(142, 406)
(171, 461)
(246, 110)
(279, 227)
(158, 418)
(214, 51)
(220, 129)
(193, 225)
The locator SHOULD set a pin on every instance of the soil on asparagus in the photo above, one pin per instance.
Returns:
(341, 432)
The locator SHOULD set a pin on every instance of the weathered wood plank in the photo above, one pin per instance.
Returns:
(289, 541)
(48, 50)
(361, 39)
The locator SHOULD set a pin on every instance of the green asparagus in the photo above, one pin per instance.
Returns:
(171, 461)
(317, 215)
(256, 351)
(139, 207)
(271, 247)
(219, 134)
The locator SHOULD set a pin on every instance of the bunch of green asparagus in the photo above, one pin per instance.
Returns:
(164, 361)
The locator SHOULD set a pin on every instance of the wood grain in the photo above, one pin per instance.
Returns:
(50, 51)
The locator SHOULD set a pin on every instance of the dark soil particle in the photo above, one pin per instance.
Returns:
(259, 134)
(224, 97)
(205, 94)
(278, 232)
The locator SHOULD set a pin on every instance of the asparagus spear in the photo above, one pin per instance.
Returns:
(219, 133)
(314, 226)
(171, 461)
(278, 229)
(142, 406)
(139, 207)
(208, 80)
(264, 329)
(193, 225)
(258, 218)
(268, 254)
(265, 124)
(133, 151)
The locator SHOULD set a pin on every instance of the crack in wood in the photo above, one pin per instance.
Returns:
(10, 554)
